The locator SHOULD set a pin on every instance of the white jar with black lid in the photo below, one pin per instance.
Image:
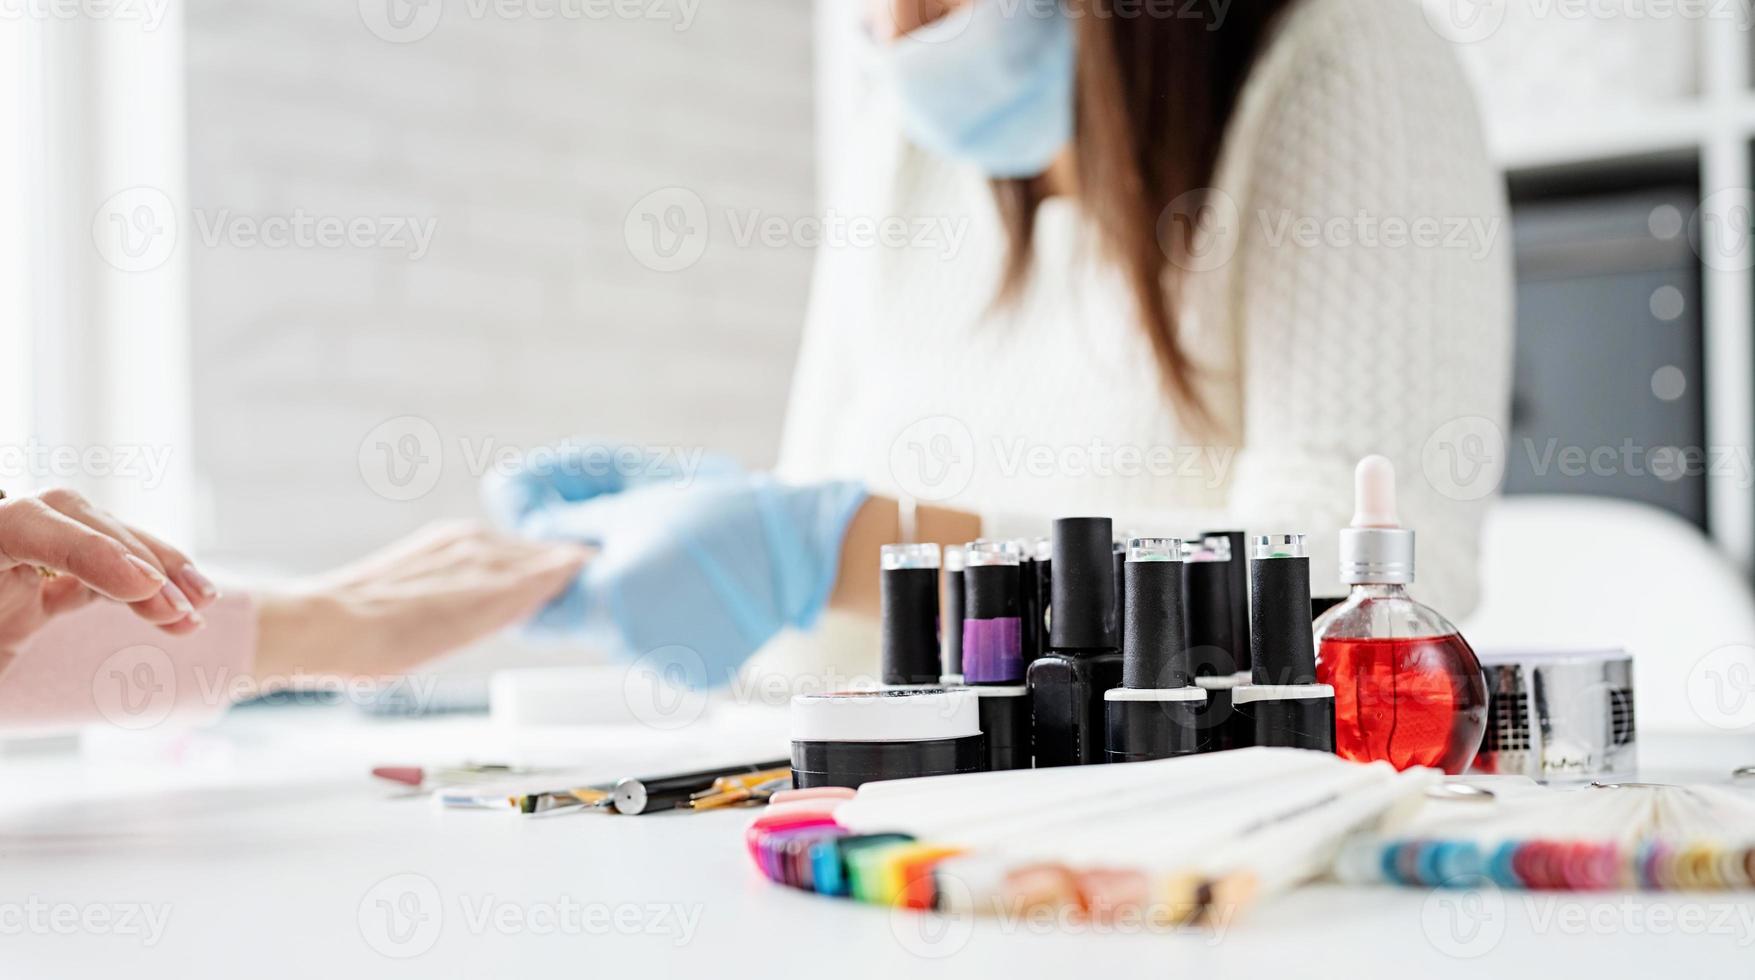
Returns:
(856, 737)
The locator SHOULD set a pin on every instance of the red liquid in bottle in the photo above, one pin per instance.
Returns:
(1417, 701)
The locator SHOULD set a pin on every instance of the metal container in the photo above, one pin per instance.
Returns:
(1558, 716)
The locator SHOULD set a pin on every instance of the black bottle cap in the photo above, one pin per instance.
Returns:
(1083, 585)
(1282, 641)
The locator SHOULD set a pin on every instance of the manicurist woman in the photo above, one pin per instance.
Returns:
(1212, 255)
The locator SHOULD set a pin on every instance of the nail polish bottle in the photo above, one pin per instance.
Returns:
(1155, 713)
(908, 654)
(993, 650)
(951, 618)
(1216, 614)
(1409, 688)
(1039, 567)
(1284, 700)
(1083, 662)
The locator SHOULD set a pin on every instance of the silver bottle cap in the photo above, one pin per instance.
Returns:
(1377, 555)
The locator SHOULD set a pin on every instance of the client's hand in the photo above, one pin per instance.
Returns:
(441, 589)
(696, 571)
(58, 552)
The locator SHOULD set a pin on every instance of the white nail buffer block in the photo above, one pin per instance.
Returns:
(560, 696)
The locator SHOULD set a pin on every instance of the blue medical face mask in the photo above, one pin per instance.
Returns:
(990, 83)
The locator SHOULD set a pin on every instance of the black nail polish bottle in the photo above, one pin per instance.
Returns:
(1218, 647)
(908, 615)
(1156, 712)
(1288, 707)
(1068, 683)
(993, 650)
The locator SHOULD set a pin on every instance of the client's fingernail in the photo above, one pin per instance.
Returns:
(151, 572)
(177, 599)
(199, 621)
(202, 585)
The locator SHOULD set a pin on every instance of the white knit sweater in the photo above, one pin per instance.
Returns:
(1320, 340)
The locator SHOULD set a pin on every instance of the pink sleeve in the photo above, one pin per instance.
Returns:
(103, 664)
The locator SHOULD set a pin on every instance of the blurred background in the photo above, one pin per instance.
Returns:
(319, 263)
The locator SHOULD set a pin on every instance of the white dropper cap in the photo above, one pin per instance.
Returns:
(1376, 549)
(1374, 493)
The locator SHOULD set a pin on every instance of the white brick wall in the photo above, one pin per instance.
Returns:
(526, 141)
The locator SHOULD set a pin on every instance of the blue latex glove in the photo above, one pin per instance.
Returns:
(698, 573)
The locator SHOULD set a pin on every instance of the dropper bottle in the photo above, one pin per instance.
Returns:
(1408, 688)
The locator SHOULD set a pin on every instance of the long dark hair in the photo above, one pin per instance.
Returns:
(1155, 90)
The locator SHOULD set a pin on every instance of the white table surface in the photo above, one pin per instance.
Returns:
(264, 850)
